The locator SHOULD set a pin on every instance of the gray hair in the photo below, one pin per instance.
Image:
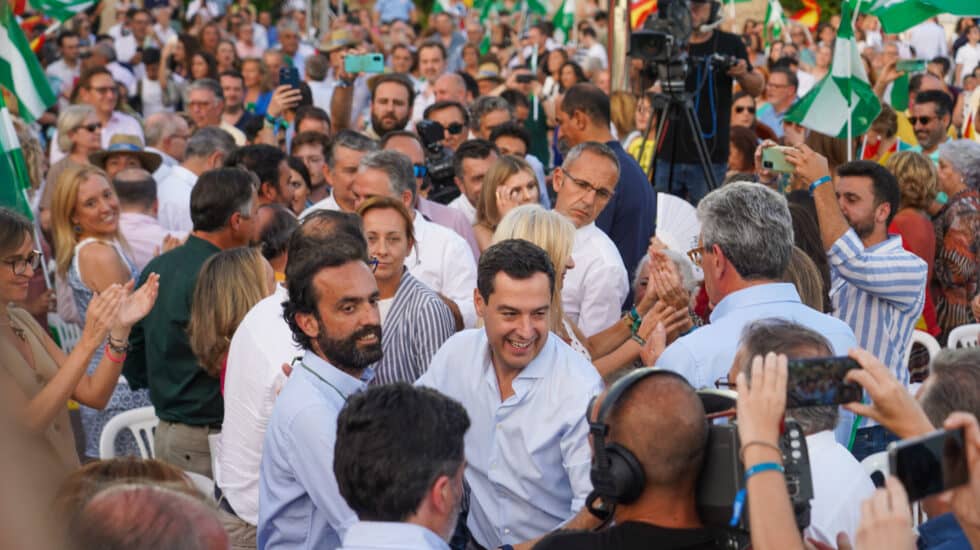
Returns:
(487, 104)
(684, 268)
(795, 341)
(209, 84)
(160, 126)
(71, 118)
(953, 385)
(317, 66)
(206, 141)
(964, 156)
(398, 168)
(752, 225)
(106, 50)
(287, 25)
(350, 139)
(594, 147)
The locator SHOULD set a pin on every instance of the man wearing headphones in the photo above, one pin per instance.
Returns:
(649, 436)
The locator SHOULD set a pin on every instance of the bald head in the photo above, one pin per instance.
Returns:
(661, 420)
(450, 87)
(138, 517)
(136, 189)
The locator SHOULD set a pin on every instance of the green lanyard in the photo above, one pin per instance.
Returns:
(324, 380)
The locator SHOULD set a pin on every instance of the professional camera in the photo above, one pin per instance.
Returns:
(722, 62)
(438, 162)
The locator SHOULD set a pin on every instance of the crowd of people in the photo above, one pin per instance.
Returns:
(434, 304)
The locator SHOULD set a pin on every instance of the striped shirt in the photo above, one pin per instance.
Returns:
(414, 329)
(879, 292)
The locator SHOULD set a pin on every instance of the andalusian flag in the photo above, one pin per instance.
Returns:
(20, 71)
(845, 90)
(640, 10)
(564, 19)
(14, 180)
(62, 10)
(775, 19)
(899, 96)
(900, 15)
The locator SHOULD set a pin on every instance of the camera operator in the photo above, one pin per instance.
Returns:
(661, 421)
(712, 89)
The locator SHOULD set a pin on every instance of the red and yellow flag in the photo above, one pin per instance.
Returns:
(640, 10)
(809, 15)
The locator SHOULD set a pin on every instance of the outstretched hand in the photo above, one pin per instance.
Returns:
(137, 305)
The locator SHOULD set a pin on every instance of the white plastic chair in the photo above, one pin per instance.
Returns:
(925, 340)
(141, 422)
(68, 333)
(964, 336)
(204, 484)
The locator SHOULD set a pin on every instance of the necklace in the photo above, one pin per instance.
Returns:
(18, 332)
(324, 380)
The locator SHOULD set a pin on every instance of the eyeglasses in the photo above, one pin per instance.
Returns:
(600, 192)
(923, 120)
(91, 127)
(104, 90)
(774, 85)
(454, 128)
(723, 382)
(19, 264)
(740, 109)
(200, 104)
(420, 170)
(695, 254)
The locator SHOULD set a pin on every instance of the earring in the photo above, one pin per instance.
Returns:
(77, 229)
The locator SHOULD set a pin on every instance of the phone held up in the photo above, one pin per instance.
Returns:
(366, 63)
(774, 159)
(929, 464)
(289, 76)
(820, 381)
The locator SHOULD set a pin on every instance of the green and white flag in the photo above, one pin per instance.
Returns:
(20, 71)
(440, 6)
(775, 19)
(536, 6)
(564, 20)
(845, 90)
(14, 179)
(900, 15)
(62, 10)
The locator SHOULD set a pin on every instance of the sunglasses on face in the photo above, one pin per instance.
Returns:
(923, 120)
(420, 170)
(454, 128)
(92, 127)
(740, 109)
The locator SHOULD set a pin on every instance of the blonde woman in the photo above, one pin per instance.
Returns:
(258, 85)
(92, 256)
(614, 347)
(229, 284)
(509, 183)
(79, 135)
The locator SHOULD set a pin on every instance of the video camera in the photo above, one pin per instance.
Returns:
(438, 162)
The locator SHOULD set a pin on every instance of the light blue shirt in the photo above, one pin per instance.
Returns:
(392, 10)
(767, 115)
(378, 535)
(707, 354)
(527, 458)
(300, 505)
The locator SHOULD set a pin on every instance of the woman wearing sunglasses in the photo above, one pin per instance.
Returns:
(36, 377)
(79, 135)
(743, 114)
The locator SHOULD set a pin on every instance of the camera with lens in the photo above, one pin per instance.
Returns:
(438, 162)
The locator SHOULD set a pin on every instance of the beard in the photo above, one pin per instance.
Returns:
(346, 353)
(384, 125)
(863, 228)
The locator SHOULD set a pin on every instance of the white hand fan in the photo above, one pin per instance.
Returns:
(677, 223)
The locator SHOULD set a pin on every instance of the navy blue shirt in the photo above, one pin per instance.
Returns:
(942, 533)
(630, 217)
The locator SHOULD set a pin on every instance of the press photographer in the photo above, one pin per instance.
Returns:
(714, 59)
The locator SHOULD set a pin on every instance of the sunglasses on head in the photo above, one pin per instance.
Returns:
(739, 109)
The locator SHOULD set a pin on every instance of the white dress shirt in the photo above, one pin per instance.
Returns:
(840, 485)
(174, 199)
(119, 123)
(527, 458)
(163, 170)
(328, 203)
(464, 205)
(379, 535)
(444, 262)
(596, 287)
(929, 40)
(253, 377)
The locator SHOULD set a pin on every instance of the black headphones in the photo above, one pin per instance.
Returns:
(617, 476)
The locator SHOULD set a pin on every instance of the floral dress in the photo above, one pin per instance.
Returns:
(957, 255)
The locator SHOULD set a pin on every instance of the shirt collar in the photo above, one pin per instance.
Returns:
(759, 294)
(197, 242)
(891, 244)
(377, 534)
(337, 379)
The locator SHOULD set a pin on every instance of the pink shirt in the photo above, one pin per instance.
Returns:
(145, 236)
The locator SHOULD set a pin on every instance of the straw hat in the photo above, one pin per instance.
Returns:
(489, 71)
(128, 144)
(339, 38)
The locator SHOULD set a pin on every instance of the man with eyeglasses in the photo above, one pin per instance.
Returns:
(205, 105)
(781, 92)
(97, 88)
(932, 113)
(598, 284)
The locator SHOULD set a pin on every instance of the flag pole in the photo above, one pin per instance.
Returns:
(850, 96)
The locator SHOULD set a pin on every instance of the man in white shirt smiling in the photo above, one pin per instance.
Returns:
(441, 259)
(528, 454)
(597, 286)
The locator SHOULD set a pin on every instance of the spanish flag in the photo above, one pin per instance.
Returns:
(640, 10)
(809, 15)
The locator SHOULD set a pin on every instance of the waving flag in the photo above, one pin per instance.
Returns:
(901, 15)
(809, 15)
(844, 91)
(14, 181)
(62, 10)
(775, 19)
(640, 10)
(20, 71)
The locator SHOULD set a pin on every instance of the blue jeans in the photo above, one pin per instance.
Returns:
(869, 441)
(688, 181)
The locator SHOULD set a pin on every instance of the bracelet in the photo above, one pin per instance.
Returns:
(118, 346)
(763, 467)
(818, 183)
(741, 452)
(108, 354)
(638, 339)
(637, 320)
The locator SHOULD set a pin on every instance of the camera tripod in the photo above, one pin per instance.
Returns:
(675, 105)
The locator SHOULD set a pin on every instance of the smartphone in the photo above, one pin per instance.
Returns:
(366, 63)
(774, 158)
(525, 78)
(289, 76)
(820, 381)
(929, 464)
(911, 65)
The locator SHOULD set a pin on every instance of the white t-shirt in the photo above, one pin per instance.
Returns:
(968, 55)
(384, 306)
